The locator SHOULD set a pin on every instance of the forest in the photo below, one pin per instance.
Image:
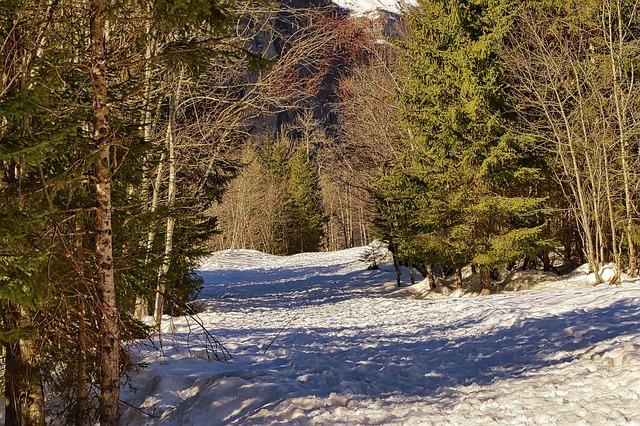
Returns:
(138, 137)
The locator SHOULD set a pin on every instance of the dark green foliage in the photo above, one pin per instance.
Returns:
(303, 206)
(468, 190)
(301, 221)
(47, 162)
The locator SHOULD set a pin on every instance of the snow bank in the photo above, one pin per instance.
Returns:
(317, 338)
(514, 281)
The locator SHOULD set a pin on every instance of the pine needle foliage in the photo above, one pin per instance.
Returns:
(467, 190)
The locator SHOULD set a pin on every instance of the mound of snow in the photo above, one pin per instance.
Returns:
(514, 282)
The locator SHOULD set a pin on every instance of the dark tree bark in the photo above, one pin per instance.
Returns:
(105, 285)
(23, 391)
(432, 277)
(546, 262)
(82, 394)
(458, 277)
(13, 372)
(485, 279)
(396, 262)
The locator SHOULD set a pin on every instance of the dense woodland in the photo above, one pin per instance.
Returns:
(136, 137)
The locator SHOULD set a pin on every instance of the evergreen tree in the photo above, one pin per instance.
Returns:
(38, 128)
(56, 143)
(473, 180)
(301, 219)
(304, 205)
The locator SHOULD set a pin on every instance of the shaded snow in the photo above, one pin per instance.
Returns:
(356, 350)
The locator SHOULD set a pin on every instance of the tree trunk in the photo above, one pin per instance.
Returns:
(458, 277)
(412, 274)
(546, 262)
(12, 383)
(142, 304)
(82, 395)
(105, 285)
(432, 278)
(621, 116)
(485, 279)
(34, 395)
(396, 262)
(568, 253)
(612, 223)
(24, 396)
(633, 258)
(168, 245)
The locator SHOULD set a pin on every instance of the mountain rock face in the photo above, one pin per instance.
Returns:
(360, 7)
(344, 41)
(378, 19)
(382, 23)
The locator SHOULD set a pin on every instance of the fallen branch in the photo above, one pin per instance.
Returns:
(283, 327)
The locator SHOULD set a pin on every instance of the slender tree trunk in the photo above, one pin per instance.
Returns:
(142, 304)
(546, 262)
(621, 116)
(396, 262)
(458, 277)
(612, 223)
(412, 274)
(432, 278)
(105, 285)
(82, 394)
(485, 279)
(568, 252)
(13, 374)
(34, 395)
(350, 213)
(24, 396)
(168, 245)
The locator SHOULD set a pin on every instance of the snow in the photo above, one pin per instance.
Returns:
(513, 281)
(351, 348)
(361, 7)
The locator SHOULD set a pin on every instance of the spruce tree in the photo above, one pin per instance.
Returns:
(473, 179)
(304, 204)
(57, 140)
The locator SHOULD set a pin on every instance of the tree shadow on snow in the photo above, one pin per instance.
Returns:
(363, 363)
(306, 287)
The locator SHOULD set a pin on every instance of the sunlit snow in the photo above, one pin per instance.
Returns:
(366, 6)
(353, 349)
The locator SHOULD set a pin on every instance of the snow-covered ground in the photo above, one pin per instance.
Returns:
(355, 350)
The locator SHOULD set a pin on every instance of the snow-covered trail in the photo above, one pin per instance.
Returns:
(354, 350)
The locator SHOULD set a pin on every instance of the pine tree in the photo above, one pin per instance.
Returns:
(73, 219)
(36, 121)
(304, 205)
(290, 161)
(474, 181)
